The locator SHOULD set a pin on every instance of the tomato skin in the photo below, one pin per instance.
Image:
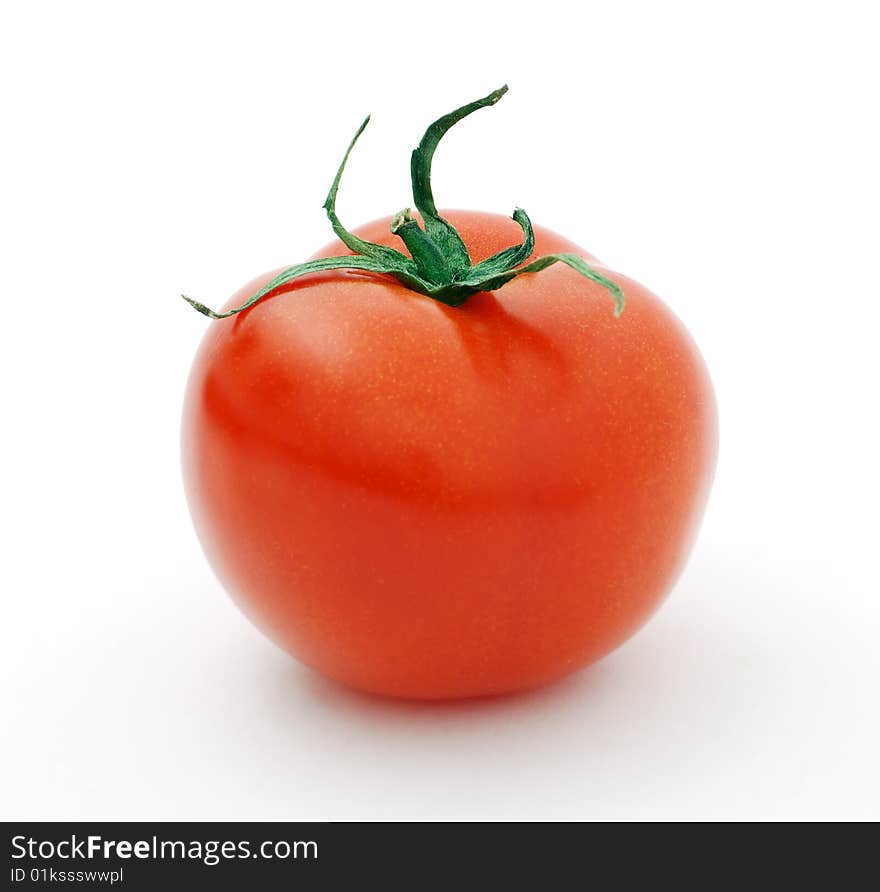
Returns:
(434, 502)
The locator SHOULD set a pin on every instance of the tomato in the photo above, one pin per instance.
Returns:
(434, 501)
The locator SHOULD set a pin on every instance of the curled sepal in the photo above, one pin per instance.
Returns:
(509, 257)
(350, 240)
(577, 263)
(442, 233)
(315, 266)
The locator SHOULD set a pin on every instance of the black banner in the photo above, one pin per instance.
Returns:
(151, 856)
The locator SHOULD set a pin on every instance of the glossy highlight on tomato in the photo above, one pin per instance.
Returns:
(433, 501)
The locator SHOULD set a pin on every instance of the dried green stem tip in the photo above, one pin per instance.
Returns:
(438, 264)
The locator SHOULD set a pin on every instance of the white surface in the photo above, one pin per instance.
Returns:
(727, 160)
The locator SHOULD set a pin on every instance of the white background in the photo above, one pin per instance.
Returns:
(727, 158)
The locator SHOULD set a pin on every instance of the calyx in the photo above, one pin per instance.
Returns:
(438, 264)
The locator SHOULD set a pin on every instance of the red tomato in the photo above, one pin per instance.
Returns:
(430, 501)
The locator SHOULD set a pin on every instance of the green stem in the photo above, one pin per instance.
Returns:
(438, 264)
(429, 259)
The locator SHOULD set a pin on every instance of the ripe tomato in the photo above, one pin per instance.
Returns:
(426, 489)
(431, 501)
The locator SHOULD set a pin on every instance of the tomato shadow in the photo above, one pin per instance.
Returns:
(497, 343)
(303, 684)
(650, 664)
